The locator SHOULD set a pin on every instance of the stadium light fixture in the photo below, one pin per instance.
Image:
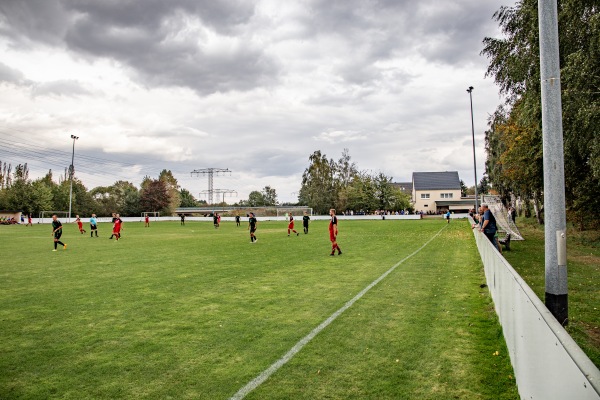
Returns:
(71, 172)
(470, 90)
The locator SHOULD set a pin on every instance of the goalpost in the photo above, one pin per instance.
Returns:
(154, 214)
(49, 214)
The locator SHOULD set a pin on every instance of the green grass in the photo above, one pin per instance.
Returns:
(583, 266)
(193, 312)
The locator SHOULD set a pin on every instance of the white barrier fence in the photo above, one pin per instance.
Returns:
(547, 362)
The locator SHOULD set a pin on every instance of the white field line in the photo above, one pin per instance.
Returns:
(256, 382)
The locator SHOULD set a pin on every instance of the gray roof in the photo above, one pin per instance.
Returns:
(436, 180)
(406, 187)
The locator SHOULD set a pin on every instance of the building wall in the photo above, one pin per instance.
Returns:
(434, 195)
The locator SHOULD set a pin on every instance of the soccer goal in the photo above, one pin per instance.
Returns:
(298, 210)
(151, 214)
(49, 214)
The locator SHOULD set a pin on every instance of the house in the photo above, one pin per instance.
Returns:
(435, 192)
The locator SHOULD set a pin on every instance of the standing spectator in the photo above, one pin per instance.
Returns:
(305, 222)
(252, 222)
(93, 225)
(57, 232)
(488, 226)
(291, 225)
(333, 232)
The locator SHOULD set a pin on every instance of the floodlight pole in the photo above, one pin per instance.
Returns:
(71, 172)
(470, 90)
(556, 293)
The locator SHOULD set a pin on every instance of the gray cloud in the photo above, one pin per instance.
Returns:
(11, 75)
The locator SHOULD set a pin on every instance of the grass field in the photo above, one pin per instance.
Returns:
(583, 264)
(190, 312)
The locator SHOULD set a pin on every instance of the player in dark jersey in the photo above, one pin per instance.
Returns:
(57, 232)
(291, 225)
(305, 222)
(252, 227)
(333, 232)
(237, 220)
(216, 220)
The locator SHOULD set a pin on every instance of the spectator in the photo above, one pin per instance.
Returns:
(488, 225)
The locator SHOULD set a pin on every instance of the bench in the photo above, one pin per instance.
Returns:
(505, 241)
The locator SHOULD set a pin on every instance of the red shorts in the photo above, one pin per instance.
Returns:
(332, 236)
(80, 225)
(291, 225)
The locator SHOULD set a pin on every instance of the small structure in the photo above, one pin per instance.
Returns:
(438, 192)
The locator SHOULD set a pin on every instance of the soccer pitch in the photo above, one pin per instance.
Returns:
(194, 312)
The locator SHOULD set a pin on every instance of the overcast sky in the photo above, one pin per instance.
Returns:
(252, 86)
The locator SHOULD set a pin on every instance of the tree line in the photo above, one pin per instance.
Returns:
(327, 183)
(514, 162)
(19, 192)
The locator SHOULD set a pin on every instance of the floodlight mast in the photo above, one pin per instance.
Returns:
(71, 172)
(210, 172)
(470, 90)
(555, 226)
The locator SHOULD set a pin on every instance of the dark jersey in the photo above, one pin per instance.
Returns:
(305, 220)
(252, 222)
(55, 228)
(215, 219)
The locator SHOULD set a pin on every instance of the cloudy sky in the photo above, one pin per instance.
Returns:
(252, 86)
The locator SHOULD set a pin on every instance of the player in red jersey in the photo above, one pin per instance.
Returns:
(117, 227)
(291, 225)
(333, 232)
(79, 224)
(146, 221)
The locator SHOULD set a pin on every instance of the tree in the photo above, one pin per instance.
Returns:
(515, 139)
(318, 187)
(384, 191)
(269, 196)
(172, 188)
(256, 199)
(463, 189)
(187, 199)
(155, 197)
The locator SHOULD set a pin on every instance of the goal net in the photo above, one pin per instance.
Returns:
(504, 223)
(48, 215)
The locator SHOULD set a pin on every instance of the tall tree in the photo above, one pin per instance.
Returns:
(187, 199)
(269, 196)
(155, 197)
(318, 187)
(256, 199)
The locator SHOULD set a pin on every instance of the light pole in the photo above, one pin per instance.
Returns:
(71, 172)
(470, 90)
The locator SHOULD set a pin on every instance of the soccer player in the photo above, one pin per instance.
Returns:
(93, 225)
(117, 227)
(146, 221)
(333, 232)
(182, 219)
(216, 220)
(237, 220)
(79, 224)
(305, 222)
(57, 232)
(29, 221)
(448, 216)
(291, 225)
(252, 227)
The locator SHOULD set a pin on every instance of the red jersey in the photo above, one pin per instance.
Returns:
(117, 225)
